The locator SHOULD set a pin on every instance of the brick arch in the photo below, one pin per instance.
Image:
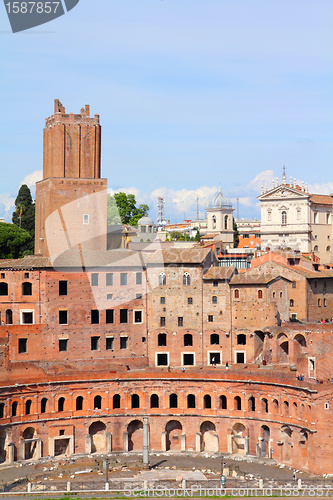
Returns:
(135, 435)
(209, 439)
(174, 430)
(97, 431)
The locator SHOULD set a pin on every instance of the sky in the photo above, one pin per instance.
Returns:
(192, 95)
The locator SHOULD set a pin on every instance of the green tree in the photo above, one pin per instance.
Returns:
(14, 241)
(24, 213)
(122, 209)
(236, 233)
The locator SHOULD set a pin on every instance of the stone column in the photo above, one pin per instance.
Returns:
(163, 440)
(229, 443)
(88, 443)
(246, 445)
(22, 449)
(125, 437)
(198, 442)
(11, 452)
(108, 437)
(39, 448)
(145, 441)
(183, 442)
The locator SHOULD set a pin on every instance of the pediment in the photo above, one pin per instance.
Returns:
(283, 192)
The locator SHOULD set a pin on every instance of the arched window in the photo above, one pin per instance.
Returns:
(315, 248)
(3, 288)
(259, 294)
(28, 404)
(162, 279)
(291, 302)
(9, 317)
(252, 404)
(225, 222)
(188, 339)
(264, 405)
(275, 404)
(26, 288)
(173, 400)
(14, 408)
(223, 402)
(241, 339)
(328, 249)
(214, 299)
(2, 409)
(116, 401)
(190, 401)
(284, 217)
(214, 221)
(162, 339)
(61, 404)
(319, 302)
(214, 339)
(207, 401)
(135, 401)
(154, 403)
(285, 408)
(237, 403)
(236, 294)
(43, 404)
(97, 402)
(79, 403)
(186, 279)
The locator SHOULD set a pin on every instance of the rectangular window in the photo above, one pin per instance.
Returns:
(109, 343)
(162, 359)
(62, 287)
(188, 359)
(3, 276)
(294, 284)
(94, 279)
(85, 218)
(109, 296)
(189, 300)
(109, 279)
(94, 316)
(137, 316)
(123, 342)
(123, 315)
(63, 317)
(162, 339)
(139, 278)
(180, 321)
(210, 318)
(63, 344)
(215, 283)
(162, 321)
(22, 345)
(162, 300)
(123, 279)
(109, 316)
(26, 276)
(138, 295)
(94, 343)
(27, 317)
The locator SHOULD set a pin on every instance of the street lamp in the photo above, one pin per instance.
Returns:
(222, 475)
(107, 470)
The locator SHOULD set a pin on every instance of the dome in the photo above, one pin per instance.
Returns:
(219, 201)
(145, 221)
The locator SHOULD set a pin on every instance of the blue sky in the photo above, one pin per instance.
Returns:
(192, 94)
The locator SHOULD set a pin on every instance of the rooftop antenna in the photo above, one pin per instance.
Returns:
(160, 212)
(198, 214)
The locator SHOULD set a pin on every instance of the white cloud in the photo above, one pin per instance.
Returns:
(31, 179)
(184, 200)
(321, 188)
(7, 201)
(264, 177)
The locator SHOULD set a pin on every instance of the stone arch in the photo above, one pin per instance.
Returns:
(238, 438)
(264, 441)
(154, 401)
(30, 443)
(300, 339)
(190, 401)
(97, 431)
(286, 434)
(135, 435)
(284, 351)
(275, 406)
(174, 431)
(209, 438)
(237, 403)
(207, 401)
(251, 403)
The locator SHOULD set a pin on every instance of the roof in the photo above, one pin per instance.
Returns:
(255, 279)
(220, 201)
(179, 256)
(28, 262)
(219, 273)
(145, 221)
(322, 199)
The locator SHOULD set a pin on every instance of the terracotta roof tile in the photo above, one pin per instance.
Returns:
(219, 273)
(322, 199)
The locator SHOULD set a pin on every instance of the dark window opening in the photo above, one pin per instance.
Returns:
(180, 321)
(223, 402)
(138, 278)
(63, 343)
(207, 401)
(3, 275)
(43, 404)
(22, 345)
(97, 402)
(14, 408)
(240, 357)
(137, 316)
(116, 401)
(9, 317)
(94, 343)
(162, 359)
(186, 279)
(188, 339)
(162, 339)
(241, 339)
(3, 289)
(109, 316)
(79, 403)
(162, 300)
(214, 339)
(109, 296)
(210, 318)
(123, 342)
(238, 403)
(28, 407)
(188, 359)
(123, 315)
(123, 279)
(154, 403)
(252, 404)
(215, 358)
(94, 279)
(61, 404)
(293, 284)
(62, 287)
(265, 405)
(62, 432)
(135, 401)
(138, 295)
(162, 321)
(63, 317)
(190, 300)
(191, 401)
(109, 343)
(26, 288)
(109, 279)
(214, 299)
(94, 316)
(27, 318)
(215, 283)
(173, 401)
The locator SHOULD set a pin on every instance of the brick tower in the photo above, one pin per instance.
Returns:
(71, 198)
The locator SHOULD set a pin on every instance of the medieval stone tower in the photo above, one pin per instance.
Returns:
(71, 198)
